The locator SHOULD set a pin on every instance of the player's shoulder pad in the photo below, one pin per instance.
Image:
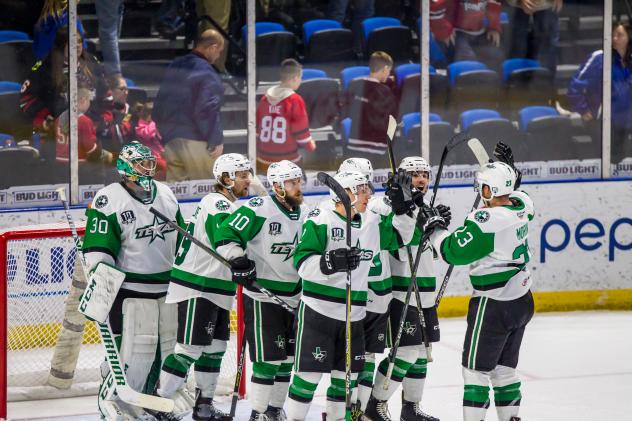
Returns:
(314, 214)
(524, 200)
(380, 205)
(106, 199)
(484, 218)
(216, 203)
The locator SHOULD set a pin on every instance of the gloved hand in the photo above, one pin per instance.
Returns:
(340, 260)
(503, 153)
(430, 219)
(243, 270)
(399, 191)
(445, 213)
(418, 197)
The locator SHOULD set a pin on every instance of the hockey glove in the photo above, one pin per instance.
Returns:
(445, 213)
(399, 191)
(503, 153)
(430, 219)
(418, 197)
(340, 260)
(243, 270)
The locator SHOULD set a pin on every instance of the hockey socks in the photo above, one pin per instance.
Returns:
(335, 405)
(413, 384)
(173, 373)
(365, 380)
(406, 356)
(206, 371)
(301, 394)
(507, 394)
(262, 384)
(281, 383)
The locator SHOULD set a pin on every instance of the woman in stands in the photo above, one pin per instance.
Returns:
(585, 92)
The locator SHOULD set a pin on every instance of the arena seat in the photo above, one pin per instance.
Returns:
(526, 82)
(327, 41)
(17, 60)
(321, 96)
(547, 134)
(389, 35)
(472, 85)
(312, 74)
(8, 36)
(350, 73)
(6, 86)
(490, 127)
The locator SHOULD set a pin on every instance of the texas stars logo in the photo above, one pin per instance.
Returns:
(222, 205)
(319, 355)
(481, 216)
(285, 248)
(410, 328)
(280, 342)
(157, 229)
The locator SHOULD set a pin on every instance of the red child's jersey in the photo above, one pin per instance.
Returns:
(87, 136)
(282, 127)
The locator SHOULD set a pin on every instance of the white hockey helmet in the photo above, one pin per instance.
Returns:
(415, 164)
(500, 178)
(349, 180)
(361, 165)
(281, 171)
(230, 163)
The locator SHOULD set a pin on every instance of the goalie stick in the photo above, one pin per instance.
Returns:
(341, 193)
(390, 132)
(483, 158)
(123, 390)
(455, 141)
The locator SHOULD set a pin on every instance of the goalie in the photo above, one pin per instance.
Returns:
(124, 240)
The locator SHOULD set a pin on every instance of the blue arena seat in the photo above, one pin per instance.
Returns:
(17, 60)
(327, 41)
(6, 86)
(412, 119)
(548, 135)
(490, 127)
(262, 28)
(313, 74)
(316, 25)
(130, 83)
(404, 70)
(408, 78)
(459, 68)
(7, 141)
(389, 35)
(526, 83)
(8, 36)
(473, 85)
(322, 101)
(440, 134)
(512, 65)
(528, 115)
(354, 72)
(346, 129)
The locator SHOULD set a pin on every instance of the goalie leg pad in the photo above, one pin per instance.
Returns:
(167, 327)
(101, 291)
(139, 339)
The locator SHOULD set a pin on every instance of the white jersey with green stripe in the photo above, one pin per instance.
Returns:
(324, 230)
(122, 232)
(268, 233)
(494, 242)
(426, 278)
(195, 273)
(379, 278)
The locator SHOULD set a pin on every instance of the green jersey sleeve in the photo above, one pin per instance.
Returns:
(313, 241)
(103, 233)
(181, 224)
(240, 227)
(389, 237)
(467, 244)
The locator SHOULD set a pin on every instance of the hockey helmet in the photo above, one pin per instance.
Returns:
(361, 165)
(281, 171)
(415, 164)
(500, 178)
(349, 180)
(137, 163)
(230, 163)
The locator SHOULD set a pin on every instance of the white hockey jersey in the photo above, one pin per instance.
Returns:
(325, 229)
(122, 232)
(196, 273)
(494, 242)
(268, 233)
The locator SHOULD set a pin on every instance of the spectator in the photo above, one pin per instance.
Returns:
(112, 115)
(110, 19)
(147, 133)
(170, 18)
(218, 10)
(585, 91)
(362, 9)
(54, 16)
(370, 103)
(91, 156)
(546, 30)
(460, 27)
(187, 110)
(44, 94)
(282, 122)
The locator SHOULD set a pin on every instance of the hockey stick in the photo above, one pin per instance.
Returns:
(238, 376)
(390, 132)
(483, 158)
(456, 140)
(217, 256)
(123, 390)
(341, 193)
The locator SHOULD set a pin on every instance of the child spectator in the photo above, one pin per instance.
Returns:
(146, 132)
(282, 122)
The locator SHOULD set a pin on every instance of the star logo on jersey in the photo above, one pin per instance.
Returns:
(280, 342)
(222, 205)
(314, 213)
(410, 328)
(157, 229)
(319, 355)
(286, 248)
(481, 216)
(255, 202)
(101, 201)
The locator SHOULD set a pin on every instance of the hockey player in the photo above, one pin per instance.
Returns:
(122, 233)
(266, 229)
(493, 241)
(411, 360)
(322, 260)
(204, 292)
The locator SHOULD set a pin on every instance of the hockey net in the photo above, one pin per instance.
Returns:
(37, 265)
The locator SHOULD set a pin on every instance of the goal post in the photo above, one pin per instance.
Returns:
(37, 269)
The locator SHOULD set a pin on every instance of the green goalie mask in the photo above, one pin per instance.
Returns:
(137, 163)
